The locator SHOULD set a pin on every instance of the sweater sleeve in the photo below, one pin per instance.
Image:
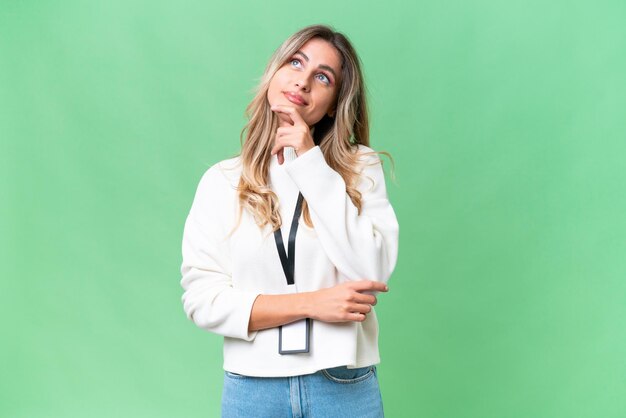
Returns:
(209, 298)
(361, 246)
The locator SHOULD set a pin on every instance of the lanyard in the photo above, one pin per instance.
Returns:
(289, 262)
(293, 337)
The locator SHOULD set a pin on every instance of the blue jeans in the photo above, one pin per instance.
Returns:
(332, 392)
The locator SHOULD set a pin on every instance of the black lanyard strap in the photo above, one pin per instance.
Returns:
(289, 262)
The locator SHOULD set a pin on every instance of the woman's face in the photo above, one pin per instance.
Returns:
(308, 81)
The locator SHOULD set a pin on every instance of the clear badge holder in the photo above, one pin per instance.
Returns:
(294, 337)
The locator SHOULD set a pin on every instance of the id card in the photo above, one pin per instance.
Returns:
(294, 337)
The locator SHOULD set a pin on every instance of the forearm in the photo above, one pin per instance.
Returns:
(361, 243)
(271, 311)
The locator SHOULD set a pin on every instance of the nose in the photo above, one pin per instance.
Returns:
(302, 84)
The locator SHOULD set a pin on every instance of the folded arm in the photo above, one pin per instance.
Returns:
(361, 246)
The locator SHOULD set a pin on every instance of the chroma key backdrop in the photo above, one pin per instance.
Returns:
(505, 121)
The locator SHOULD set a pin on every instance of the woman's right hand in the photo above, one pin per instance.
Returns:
(345, 302)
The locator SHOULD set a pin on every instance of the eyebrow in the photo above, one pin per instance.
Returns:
(322, 66)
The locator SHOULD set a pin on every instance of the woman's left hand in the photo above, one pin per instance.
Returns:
(295, 134)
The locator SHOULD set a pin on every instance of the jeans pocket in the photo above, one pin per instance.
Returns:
(234, 375)
(342, 374)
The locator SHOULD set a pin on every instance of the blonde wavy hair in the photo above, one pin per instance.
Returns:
(337, 137)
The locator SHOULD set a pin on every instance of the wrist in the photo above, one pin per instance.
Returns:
(305, 305)
(303, 150)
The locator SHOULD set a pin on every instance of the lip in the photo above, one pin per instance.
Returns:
(295, 98)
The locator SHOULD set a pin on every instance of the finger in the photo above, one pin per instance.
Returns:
(281, 158)
(358, 316)
(288, 130)
(365, 298)
(278, 145)
(363, 308)
(284, 120)
(289, 140)
(291, 111)
(369, 285)
(284, 131)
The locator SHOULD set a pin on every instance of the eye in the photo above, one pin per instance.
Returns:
(294, 59)
(327, 80)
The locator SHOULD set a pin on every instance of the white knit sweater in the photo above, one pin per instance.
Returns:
(222, 277)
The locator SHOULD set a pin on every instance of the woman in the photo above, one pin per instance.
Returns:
(292, 295)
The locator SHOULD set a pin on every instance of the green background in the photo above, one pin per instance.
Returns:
(506, 122)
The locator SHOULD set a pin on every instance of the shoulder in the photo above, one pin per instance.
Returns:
(222, 175)
(368, 157)
(216, 192)
(363, 148)
(370, 169)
